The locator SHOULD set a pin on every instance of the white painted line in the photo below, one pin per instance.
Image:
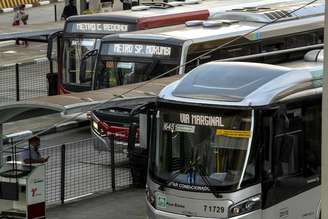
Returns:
(7, 10)
(7, 43)
(9, 52)
(81, 196)
(43, 59)
(28, 5)
(44, 2)
(8, 65)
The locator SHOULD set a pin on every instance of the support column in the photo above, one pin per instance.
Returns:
(324, 145)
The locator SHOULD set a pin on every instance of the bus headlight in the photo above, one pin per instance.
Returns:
(150, 196)
(246, 206)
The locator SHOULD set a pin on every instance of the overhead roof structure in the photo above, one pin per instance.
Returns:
(36, 32)
(80, 102)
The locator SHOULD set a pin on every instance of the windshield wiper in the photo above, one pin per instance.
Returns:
(172, 177)
(153, 65)
(203, 175)
(192, 167)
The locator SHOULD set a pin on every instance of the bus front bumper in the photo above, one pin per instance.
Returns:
(157, 214)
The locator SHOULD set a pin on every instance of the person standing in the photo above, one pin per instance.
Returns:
(69, 10)
(127, 4)
(31, 155)
(20, 15)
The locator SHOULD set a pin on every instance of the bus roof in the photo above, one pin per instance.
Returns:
(245, 84)
(208, 30)
(155, 17)
(212, 6)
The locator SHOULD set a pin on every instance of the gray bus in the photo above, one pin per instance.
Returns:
(134, 57)
(238, 140)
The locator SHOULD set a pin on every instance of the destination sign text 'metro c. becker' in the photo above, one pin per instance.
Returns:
(100, 28)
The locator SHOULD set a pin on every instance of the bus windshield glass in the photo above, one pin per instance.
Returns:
(194, 145)
(74, 48)
(113, 73)
(121, 64)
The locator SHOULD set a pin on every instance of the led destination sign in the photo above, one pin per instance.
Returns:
(102, 28)
(139, 50)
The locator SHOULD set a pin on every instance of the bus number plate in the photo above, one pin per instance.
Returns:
(213, 209)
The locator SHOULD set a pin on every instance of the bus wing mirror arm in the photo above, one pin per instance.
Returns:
(84, 59)
(51, 38)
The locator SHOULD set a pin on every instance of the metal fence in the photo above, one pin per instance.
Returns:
(23, 81)
(76, 169)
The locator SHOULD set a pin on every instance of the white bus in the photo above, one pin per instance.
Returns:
(134, 57)
(83, 33)
(238, 140)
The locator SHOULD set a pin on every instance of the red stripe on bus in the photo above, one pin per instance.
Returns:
(172, 19)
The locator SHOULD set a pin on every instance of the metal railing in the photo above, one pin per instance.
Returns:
(23, 81)
(76, 169)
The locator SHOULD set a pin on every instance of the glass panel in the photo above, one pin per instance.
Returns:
(195, 145)
(74, 49)
(112, 73)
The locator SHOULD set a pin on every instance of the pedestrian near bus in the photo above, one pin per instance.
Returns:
(127, 4)
(69, 10)
(20, 16)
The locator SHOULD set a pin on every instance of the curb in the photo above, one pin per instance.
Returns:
(40, 3)
(60, 128)
(63, 127)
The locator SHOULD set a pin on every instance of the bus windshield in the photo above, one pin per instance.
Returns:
(194, 145)
(74, 48)
(114, 73)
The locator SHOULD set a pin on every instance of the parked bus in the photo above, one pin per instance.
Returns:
(130, 58)
(238, 140)
(83, 33)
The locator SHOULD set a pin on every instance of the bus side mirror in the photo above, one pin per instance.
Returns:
(84, 77)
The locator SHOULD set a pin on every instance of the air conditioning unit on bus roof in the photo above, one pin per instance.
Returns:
(163, 5)
(210, 23)
(269, 14)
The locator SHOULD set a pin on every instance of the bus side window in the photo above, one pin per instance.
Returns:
(273, 45)
(267, 150)
(289, 145)
(312, 140)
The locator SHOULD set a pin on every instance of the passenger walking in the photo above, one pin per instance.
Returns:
(20, 15)
(69, 10)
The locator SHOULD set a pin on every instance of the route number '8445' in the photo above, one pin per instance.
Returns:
(213, 209)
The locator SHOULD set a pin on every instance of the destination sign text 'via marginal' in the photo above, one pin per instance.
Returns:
(138, 50)
(99, 28)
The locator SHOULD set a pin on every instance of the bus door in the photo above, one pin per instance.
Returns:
(53, 55)
(291, 162)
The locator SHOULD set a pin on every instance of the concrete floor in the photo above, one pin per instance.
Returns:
(129, 204)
